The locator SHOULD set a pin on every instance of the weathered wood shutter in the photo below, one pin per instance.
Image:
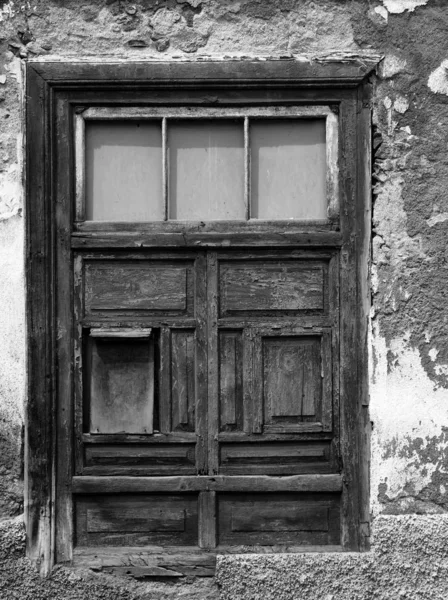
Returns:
(206, 378)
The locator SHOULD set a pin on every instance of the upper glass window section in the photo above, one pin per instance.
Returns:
(194, 167)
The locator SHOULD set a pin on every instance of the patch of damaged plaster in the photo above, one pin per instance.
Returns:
(436, 217)
(438, 80)
(410, 432)
(400, 6)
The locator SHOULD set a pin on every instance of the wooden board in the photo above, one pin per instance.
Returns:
(277, 287)
(140, 459)
(137, 520)
(292, 380)
(183, 380)
(281, 519)
(231, 380)
(274, 458)
(117, 288)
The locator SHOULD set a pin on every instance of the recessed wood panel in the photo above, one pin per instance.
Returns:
(137, 520)
(230, 380)
(255, 287)
(279, 519)
(274, 458)
(115, 288)
(139, 459)
(183, 380)
(120, 385)
(292, 379)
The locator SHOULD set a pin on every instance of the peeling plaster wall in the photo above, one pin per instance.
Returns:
(409, 278)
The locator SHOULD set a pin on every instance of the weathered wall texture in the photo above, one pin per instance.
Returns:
(409, 317)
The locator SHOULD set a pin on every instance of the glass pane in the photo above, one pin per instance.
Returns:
(124, 171)
(288, 166)
(206, 166)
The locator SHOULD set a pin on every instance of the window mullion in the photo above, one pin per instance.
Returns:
(165, 168)
(247, 167)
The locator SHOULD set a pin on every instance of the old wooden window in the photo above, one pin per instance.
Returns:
(207, 283)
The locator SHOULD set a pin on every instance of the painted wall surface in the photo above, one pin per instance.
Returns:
(409, 276)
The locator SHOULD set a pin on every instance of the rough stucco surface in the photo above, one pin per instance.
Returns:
(410, 560)
(409, 316)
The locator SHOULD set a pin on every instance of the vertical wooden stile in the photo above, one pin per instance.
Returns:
(201, 362)
(365, 219)
(64, 342)
(80, 167)
(79, 362)
(40, 449)
(165, 381)
(349, 329)
(207, 520)
(257, 384)
(248, 380)
(213, 368)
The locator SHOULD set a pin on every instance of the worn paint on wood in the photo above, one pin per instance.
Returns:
(119, 288)
(231, 380)
(183, 380)
(282, 519)
(271, 286)
(137, 520)
(292, 377)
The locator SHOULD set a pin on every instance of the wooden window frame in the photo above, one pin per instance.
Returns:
(199, 113)
(55, 91)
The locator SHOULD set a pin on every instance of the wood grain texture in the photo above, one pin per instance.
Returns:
(166, 457)
(231, 380)
(141, 562)
(213, 362)
(201, 399)
(281, 519)
(39, 409)
(63, 342)
(349, 330)
(279, 73)
(292, 378)
(207, 520)
(182, 380)
(165, 381)
(218, 483)
(139, 520)
(183, 239)
(364, 217)
(121, 288)
(270, 286)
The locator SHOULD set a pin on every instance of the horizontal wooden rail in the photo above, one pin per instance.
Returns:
(219, 483)
(332, 239)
